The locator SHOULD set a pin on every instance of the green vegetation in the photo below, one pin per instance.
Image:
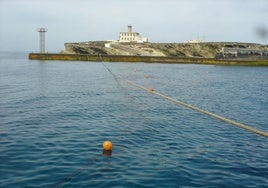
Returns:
(146, 59)
(254, 63)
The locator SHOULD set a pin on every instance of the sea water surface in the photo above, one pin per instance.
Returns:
(55, 115)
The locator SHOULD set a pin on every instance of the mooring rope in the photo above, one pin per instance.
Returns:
(176, 101)
(109, 70)
(246, 127)
(179, 102)
(75, 173)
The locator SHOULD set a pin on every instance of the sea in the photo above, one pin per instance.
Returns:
(55, 116)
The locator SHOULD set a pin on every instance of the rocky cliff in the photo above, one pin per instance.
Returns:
(204, 49)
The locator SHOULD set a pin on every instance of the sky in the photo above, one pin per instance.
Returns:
(159, 20)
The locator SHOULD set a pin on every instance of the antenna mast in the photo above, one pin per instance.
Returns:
(42, 32)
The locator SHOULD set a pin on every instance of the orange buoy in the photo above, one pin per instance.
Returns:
(107, 145)
(151, 89)
(146, 76)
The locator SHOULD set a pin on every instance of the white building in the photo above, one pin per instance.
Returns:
(196, 41)
(130, 36)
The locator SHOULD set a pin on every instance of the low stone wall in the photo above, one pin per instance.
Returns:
(146, 59)
(117, 58)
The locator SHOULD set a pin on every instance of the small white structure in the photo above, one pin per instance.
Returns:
(107, 45)
(130, 36)
(195, 41)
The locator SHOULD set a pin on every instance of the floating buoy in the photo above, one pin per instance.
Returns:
(107, 146)
(151, 89)
(146, 76)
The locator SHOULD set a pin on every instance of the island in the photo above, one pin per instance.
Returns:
(131, 47)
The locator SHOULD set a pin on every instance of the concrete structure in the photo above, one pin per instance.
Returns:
(131, 36)
(235, 52)
(42, 32)
(195, 41)
(107, 45)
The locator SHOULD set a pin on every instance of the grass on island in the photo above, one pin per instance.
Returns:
(254, 63)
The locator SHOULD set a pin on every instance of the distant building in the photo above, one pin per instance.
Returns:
(242, 52)
(195, 41)
(130, 36)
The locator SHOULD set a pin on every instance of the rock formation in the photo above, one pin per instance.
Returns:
(202, 49)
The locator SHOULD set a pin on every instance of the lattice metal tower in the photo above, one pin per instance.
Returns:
(42, 32)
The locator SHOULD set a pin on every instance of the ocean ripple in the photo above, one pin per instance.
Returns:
(55, 116)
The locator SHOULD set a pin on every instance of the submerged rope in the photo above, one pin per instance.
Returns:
(176, 101)
(75, 173)
(109, 70)
(246, 127)
(179, 102)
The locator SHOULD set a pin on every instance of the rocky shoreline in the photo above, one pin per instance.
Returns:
(216, 53)
(181, 50)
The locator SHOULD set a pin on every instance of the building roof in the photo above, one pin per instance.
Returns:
(130, 32)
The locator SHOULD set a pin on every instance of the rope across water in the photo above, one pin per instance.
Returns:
(246, 127)
(176, 101)
(232, 122)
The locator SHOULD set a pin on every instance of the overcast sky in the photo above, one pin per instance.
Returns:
(159, 20)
